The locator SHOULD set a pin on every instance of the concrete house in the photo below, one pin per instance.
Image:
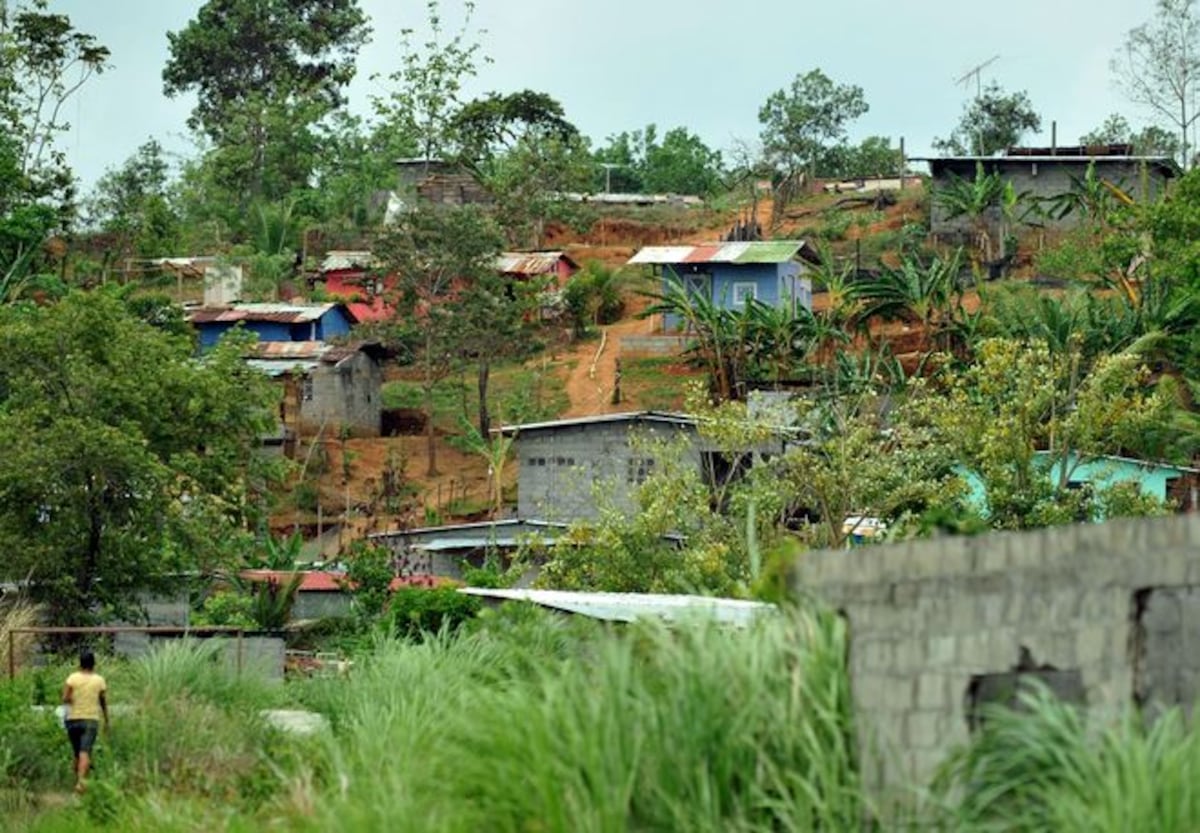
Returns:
(730, 274)
(272, 322)
(1046, 173)
(443, 551)
(326, 386)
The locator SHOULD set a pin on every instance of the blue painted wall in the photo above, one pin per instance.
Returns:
(1152, 478)
(774, 283)
(336, 322)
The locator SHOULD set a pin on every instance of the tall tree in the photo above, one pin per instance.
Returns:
(1158, 67)
(799, 122)
(126, 459)
(132, 205)
(992, 121)
(265, 71)
(44, 61)
(441, 255)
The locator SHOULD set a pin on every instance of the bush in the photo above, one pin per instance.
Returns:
(417, 612)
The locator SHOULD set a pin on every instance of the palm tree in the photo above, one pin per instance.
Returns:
(973, 198)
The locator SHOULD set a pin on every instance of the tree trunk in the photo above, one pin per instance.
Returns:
(430, 445)
(485, 418)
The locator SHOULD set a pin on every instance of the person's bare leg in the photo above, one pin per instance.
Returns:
(81, 771)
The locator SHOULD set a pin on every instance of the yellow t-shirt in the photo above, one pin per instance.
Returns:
(86, 688)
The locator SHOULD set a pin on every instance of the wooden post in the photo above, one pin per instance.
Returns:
(239, 652)
(1054, 138)
(903, 163)
(12, 657)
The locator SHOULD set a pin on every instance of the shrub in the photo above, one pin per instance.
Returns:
(417, 612)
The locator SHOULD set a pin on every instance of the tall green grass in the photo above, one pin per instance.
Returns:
(1044, 767)
(540, 728)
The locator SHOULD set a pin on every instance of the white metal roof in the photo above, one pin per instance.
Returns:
(629, 416)
(629, 607)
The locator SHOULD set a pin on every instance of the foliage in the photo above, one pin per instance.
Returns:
(873, 156)
(1043, 767)
(128, 459)
(132, 204)
(596, 295)
(639, 162)
(369, 575)
(1149, 141)
(226, 609)
(926, 294)
(1158, 68)
(264, 72)
(420, 612)
(994, 120)
(799, 122)
(44, 62)
(979, 200)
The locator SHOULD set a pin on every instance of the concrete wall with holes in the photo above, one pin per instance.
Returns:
(1109, 614)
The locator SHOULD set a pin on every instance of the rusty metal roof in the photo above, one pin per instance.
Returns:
(340, 260)
(530, 263)
(759, 251)
(277, 313)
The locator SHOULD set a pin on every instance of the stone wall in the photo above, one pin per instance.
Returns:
(1108, 614)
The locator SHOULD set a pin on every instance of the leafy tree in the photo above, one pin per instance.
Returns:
(679, 163)
(992, 121)
(132, 206)
(424, 99)
(1158, 67)
(128, 460)
(926, 294)
(1149, 141)
(873, 156)
(264, 72)
(445, 259)
(800, 122)
(44, 61)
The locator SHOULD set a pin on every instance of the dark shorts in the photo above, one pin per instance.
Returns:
(82, 734)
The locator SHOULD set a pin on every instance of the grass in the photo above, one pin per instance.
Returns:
(516, 393)
(656, 383)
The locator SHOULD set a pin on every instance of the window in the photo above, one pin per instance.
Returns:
(306, 389)
(637, 469)
(743, 292)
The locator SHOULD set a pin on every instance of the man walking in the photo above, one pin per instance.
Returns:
(84, 696)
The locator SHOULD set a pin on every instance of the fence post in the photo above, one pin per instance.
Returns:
(239, 652)
(12, 657)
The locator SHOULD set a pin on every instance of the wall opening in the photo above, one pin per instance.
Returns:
(1006, 688)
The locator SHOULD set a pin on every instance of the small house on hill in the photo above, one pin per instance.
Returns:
(519, 266)
(273, 322)
(440, 182)
(1043, 174)
(325, 386)
(350, 277)
(730, 274)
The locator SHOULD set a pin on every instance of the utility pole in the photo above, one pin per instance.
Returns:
(608, 169)
(977, 72)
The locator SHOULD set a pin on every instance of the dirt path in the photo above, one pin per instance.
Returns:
(593, 373)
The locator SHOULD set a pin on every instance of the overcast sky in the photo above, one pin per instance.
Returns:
(704, 64)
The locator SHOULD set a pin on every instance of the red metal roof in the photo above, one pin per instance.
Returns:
(530, 263)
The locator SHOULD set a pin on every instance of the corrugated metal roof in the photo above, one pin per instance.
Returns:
(320, 581)
(629, 607)
(632, 416)
(277, 313)
(758, 251)
(281, 367)
(291, 349)
(530, 263)
(338, 260)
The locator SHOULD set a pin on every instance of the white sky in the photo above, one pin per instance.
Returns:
(705, 64)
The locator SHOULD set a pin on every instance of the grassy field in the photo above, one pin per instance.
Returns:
(657, 383)
(527, 722)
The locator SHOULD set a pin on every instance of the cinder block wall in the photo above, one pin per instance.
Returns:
(1113, 601)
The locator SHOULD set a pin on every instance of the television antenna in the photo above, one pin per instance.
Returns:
(977, 73)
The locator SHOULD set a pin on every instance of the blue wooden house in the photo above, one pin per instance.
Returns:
(730, 274)
(273, 322)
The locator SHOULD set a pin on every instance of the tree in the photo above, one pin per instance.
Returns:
(426, 88)
(132, 205)
(264, 72)
(799, 122)
(873, 156)
(441, 255)
(992, 121)
(44, 61)
(1149, 141)
(1158, 68)
(678, 164)
(126, 459)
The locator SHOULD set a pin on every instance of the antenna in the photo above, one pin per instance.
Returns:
(977, 71)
